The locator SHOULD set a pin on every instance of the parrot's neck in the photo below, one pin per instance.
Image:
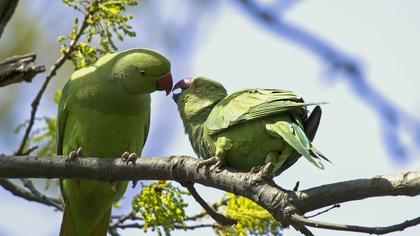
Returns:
(199, 138)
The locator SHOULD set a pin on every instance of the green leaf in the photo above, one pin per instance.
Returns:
(252, 219)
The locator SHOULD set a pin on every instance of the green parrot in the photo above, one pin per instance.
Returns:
(249, 128)
(105, 109)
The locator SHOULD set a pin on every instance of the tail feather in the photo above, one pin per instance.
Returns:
(294, 135)
(102, 226)
(68, 225)
(314, 151)
(310, 125)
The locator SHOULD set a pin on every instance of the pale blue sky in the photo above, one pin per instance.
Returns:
(384, 35)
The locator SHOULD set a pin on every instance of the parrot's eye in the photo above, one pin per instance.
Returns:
(142, 72)
(198, 89)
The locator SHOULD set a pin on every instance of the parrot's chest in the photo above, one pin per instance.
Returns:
(105, 135)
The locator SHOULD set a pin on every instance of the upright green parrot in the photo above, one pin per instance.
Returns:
(249, 128)
(105, 110)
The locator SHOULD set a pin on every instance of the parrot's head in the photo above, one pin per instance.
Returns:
(197, 95)
(142, 71)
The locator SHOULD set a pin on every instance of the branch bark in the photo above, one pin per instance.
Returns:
(283, 204)
(17, 69)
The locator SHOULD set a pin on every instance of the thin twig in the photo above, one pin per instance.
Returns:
(37, 99)
(219, 218)
(355, 228)
(324, 211)
(51, 74)
(176, 226)
(304, 230)
(30, 150)
(121, 219)
(21, 192)
(215, 206)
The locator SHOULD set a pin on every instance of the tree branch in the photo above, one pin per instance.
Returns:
(53, 70)
(7, 8)
(21, 192)
(176, 226)
(283, 204)
(355, 228)
(219, 218)
(407, 184)
(19, 68)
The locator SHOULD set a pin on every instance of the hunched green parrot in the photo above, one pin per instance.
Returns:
(105, 110)
(249, 128)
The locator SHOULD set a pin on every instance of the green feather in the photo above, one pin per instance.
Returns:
(260, 124)
(105, 109)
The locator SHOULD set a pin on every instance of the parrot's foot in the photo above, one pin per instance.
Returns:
(215, 163)
(265, 171)
(128, 158)
(74, 155)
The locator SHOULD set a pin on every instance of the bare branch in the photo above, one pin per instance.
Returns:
(19, 68)
(283, 204)
(219, 218)
(121, 219)
(407, 184)
(7, 8)
(53, 70)
(324, 211)
(355, 228)
(20, 192)
(176, 226)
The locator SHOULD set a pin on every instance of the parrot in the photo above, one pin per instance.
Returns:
(104, 111)
(247, 129)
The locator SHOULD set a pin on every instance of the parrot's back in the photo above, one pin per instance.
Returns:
(261, 126)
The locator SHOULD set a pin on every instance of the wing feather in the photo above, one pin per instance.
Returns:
(253, 104)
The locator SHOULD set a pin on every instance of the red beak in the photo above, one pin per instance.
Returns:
(183, 84)
(164, 83)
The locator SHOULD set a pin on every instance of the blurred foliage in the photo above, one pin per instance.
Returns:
(252, 219)
(45, 136)
(103, 19)
(17, 39)
(161, 206)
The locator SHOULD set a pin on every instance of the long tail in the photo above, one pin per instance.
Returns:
(293, 134)
(68, 225)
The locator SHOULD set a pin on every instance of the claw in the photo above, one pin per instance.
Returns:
(124, 156)
(74, 155)
(266, 171)
(215, 163)
(128, 158)
(132, 158)
(79, 152)
(255, 169)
